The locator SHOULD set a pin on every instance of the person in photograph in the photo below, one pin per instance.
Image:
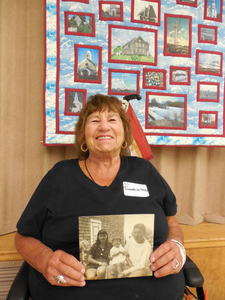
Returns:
(139, 250)
(118, 256)
(98, 258)
(102, 180)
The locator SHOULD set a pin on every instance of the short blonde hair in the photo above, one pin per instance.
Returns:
(101, 102)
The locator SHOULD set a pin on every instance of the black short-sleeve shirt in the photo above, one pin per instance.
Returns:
(65, 193)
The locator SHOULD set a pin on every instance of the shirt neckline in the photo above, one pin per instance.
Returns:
(86, 178)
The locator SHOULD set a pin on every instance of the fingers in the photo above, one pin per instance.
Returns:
(165, 260)
(62, 263)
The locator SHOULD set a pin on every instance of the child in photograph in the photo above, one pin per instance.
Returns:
(118, 256)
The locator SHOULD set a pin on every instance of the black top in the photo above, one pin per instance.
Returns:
(65, 193)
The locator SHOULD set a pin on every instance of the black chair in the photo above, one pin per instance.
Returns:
(20, 291)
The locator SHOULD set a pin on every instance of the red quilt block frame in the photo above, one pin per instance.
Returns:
(135, 62)
(211, 126)
(82, 1)
(76, 64)
(67, 91)
(177, 68)
(205, 99)
(219, 16)
(67, 13)
(146, 21)
(212, 70)
(188, 3)
(101, 17)
(153, 71)
(175, 48)
(114, 92)
(164, 95)
(200, 27)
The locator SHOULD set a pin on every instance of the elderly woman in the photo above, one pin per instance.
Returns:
(98, 258)
(102, 181)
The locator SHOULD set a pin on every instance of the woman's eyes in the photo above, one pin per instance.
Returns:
(109, 120)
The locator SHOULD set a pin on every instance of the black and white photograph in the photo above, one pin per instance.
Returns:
(208, 91)
(207, 34)
(116, 246)
(74, 102)
(146, 12)
(180, 75)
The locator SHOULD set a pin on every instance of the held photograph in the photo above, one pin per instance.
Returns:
(116, 246)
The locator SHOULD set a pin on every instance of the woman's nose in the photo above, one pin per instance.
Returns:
(103, 125)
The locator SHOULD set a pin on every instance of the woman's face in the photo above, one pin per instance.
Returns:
(102, 237)
(104, 133)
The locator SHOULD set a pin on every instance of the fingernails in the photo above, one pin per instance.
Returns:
(82, 270)
(156, 274)
(83, 283)
(153, 268)
(152, 259)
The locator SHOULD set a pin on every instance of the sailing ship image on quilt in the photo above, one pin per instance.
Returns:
(122, 83)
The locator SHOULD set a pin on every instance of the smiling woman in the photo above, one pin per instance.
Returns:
(101, 182)
(98, 106)
(103, 133)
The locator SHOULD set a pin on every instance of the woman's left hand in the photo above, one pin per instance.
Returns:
(165, 259)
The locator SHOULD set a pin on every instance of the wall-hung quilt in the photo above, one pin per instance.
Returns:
(169, 52)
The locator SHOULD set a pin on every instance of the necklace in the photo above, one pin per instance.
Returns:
(88, 170)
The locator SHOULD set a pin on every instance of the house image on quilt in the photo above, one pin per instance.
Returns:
(136, 46)
(114, 10)
(148, 14)
(87, 68)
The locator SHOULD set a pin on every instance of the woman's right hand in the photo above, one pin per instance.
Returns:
(51, 264)
(62, 263)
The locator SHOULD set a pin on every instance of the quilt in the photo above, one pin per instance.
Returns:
(171, 52)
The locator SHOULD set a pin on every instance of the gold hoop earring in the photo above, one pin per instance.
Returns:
(82, 147)
(124, 146)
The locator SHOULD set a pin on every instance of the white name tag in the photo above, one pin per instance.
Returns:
(135, 189)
